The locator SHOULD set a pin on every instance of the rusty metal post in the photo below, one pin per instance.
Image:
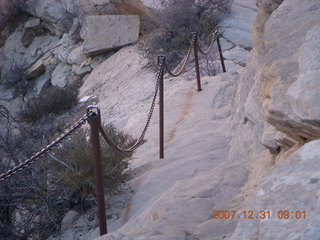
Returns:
(161, 61)
(95, 122)
(220, 53)
(196, 59)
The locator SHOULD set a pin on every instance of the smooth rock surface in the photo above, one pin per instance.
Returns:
(238, 55)
(53, 11)
(104, 33)
(69, 219)
(35, 70)
(294, 186)
(60, 75)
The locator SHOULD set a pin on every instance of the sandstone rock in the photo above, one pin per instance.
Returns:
(269, 140)
(34, 22)
(298, 131)
(18, 57)
(293, 186)
(81, 69)
(237, 28)
(76, 56)
(54, 12)
(155, 4)
(100, 2)
(104, 33)
(66, 45)
(40, 83)
(7, 94)
(69, 219)
(305, 91)
(238, 55)
(60, 75)
(2, 59)
(35, 70)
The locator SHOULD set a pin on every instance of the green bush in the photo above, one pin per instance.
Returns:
(53, 100)
(176, 22)
(76, 152)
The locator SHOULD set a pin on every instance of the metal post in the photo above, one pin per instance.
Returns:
(220, 53)
(95, 122)
(161, 61)
(196, 59)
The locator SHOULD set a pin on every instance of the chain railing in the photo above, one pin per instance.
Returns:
(45, 150)
(93, 117)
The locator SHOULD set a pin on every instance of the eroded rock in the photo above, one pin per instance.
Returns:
(104, 33)
(293, 186)
(61, 75)
(35, 70)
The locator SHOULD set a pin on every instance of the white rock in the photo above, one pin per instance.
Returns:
(81, 69)
(35, 70)
(32, 23)
(60, 75)
(238, 55)
(100, 2)
(40, 83)
(104, 33)
(76, 56)
(54, 12)
(293, 186)
(71, 217)
(305, 91)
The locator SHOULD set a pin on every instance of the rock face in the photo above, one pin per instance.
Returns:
(55, 14)
(104, 33)
(293, 186)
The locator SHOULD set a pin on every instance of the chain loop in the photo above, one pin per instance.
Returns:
(173, 74)
(213, 39)
(140, 139)
(46, 149)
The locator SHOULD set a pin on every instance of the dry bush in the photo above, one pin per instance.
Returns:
(9, 9)
(77, 172)
(31, 203)
(54, 100)
(177, 20)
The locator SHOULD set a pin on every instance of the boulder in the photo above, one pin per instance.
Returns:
(76, 56)
(35, 70)
(294, 186)
(40, 83)
(34, 22)
(81, 69)
(53, 12)
(60, 75)
(100, 2)
(18, 57)
(105, 33)
(238, 55)
(69, 219)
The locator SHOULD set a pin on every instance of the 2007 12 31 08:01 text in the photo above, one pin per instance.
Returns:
(261, 214)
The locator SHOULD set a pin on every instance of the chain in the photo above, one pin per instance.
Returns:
(193, 40)
(213, 39)
(140, 140)
(45, 150)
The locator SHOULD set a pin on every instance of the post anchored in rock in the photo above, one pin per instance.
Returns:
(95, 123)
(196, 58)
(217, 34)
(161, 62)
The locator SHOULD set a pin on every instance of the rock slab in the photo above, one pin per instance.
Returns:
(104, 33)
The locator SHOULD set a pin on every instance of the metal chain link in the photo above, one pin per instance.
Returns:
(139, 141)
(193, 40)
(45, 150)
(213, 39)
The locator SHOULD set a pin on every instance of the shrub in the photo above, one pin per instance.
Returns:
(54, 100)
(76, 154)
(177, 20)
